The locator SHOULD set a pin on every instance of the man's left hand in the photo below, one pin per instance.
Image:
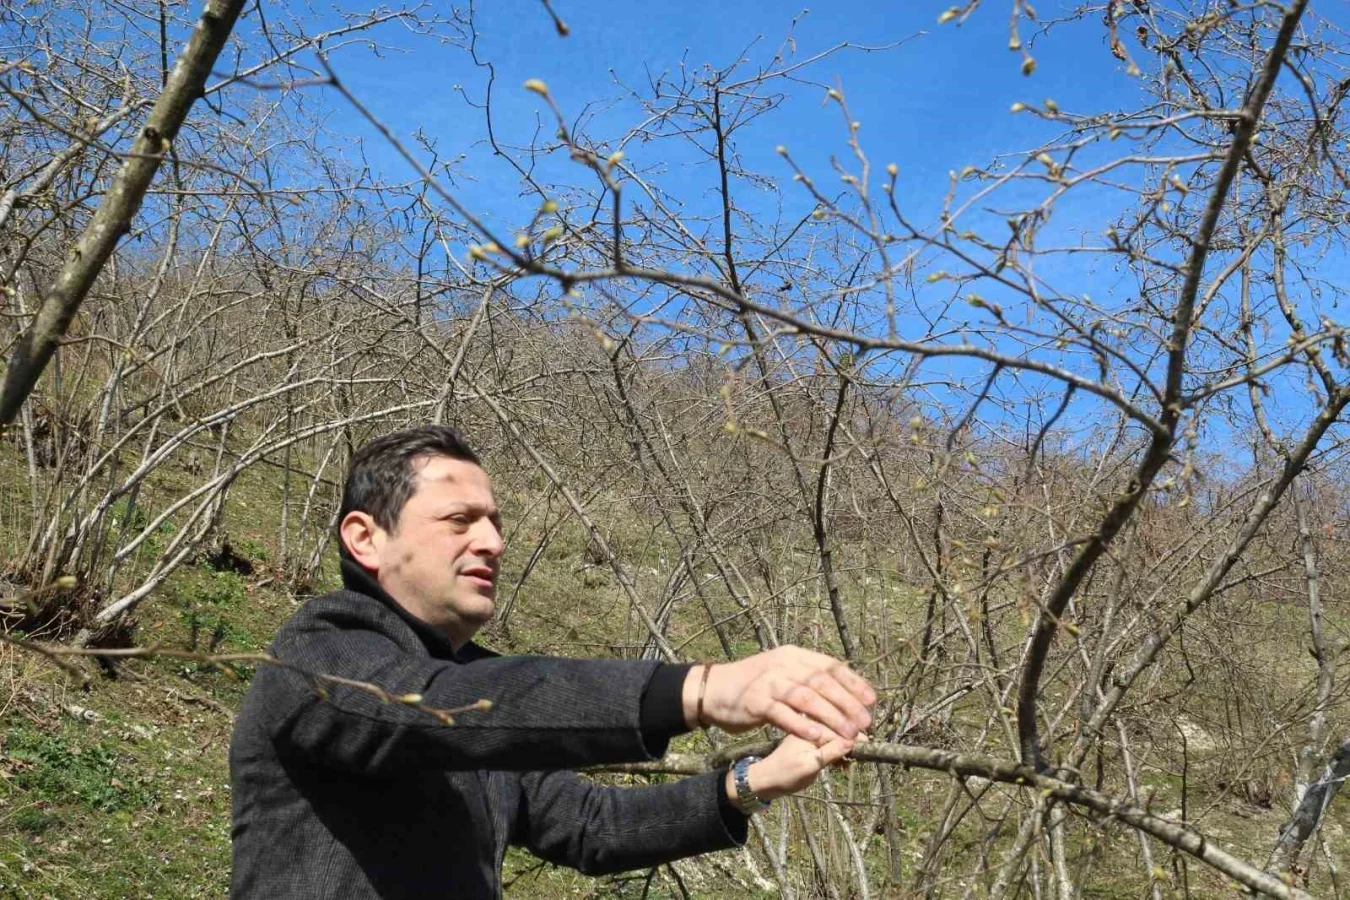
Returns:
(793, 766)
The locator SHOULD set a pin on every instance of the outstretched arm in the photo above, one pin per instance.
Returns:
(571, 821)
(568, 820)
(546, 712)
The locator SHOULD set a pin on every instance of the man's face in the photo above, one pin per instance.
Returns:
(442, 561)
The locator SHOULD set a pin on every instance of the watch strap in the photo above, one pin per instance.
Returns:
(746, 800)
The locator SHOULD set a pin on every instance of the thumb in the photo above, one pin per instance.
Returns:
(834, 751)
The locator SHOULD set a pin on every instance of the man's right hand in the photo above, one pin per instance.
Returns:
(814, 696)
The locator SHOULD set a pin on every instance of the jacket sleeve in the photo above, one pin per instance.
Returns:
(546, 712)
(568, 820)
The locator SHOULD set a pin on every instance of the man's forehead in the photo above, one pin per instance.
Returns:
(444, 470)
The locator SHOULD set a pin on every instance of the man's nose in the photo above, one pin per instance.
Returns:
(488, 540)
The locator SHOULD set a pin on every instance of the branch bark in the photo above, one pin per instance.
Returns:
(963, 766)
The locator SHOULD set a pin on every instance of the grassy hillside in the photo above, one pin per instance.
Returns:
(122, 790)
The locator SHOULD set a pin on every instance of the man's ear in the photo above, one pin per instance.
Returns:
(362, 537)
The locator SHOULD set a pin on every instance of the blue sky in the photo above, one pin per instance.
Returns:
(938, 102)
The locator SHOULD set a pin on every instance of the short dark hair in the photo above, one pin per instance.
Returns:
(383, 475)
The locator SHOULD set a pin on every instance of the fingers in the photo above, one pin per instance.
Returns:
(824, 689)
(805, 693)
(829, 686)
(816, 702)
(850, 680)
(784, 717)
(795, 765)
(855, 683)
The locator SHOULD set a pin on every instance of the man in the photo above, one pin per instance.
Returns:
(340, 791)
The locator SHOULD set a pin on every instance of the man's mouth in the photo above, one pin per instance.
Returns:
(481, 575)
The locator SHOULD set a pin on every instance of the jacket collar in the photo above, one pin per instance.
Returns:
(356, 579)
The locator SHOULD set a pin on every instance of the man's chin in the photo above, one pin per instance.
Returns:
(478, 608)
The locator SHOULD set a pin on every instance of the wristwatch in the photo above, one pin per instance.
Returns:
(746, 800)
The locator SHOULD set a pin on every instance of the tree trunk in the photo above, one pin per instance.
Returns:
(119, 206)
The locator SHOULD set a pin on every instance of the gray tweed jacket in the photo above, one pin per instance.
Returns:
(337, 794)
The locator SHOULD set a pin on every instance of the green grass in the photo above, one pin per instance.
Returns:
(50, 766)
(134, 803)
